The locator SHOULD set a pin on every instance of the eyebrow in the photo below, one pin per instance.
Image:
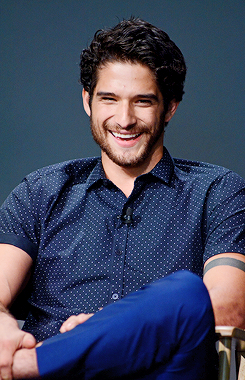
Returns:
(142, 96)
(104, 93)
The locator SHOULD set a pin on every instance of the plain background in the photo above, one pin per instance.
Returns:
(42, 119)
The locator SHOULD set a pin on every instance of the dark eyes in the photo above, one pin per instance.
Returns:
(108, 99)
(144, 102)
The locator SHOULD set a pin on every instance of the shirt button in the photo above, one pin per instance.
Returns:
(119, 253)
(115, 296)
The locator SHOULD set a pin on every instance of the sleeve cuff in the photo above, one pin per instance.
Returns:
(20, 242)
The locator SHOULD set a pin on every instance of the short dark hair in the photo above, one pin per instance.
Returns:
(136, 41)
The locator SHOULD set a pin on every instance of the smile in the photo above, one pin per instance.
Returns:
(123, 136)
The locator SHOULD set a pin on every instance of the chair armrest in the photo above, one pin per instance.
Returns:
(230, 331)
(225, 334)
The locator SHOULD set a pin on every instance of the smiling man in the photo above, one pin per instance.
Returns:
(129, 113)
(114, 247)
(127, 121)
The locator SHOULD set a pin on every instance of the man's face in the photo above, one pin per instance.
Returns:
(127, 114)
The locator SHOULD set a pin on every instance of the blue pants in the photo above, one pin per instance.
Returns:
(164, 331)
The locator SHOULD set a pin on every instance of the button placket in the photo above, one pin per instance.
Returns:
(118, 261)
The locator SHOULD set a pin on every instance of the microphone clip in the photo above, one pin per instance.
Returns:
(127, 218)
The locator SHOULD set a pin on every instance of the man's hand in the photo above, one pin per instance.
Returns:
(73, 321)
(25, 364)
(11, 340)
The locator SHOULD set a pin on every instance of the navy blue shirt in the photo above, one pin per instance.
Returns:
(70, 219)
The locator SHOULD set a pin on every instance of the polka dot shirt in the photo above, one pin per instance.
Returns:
(92, 246)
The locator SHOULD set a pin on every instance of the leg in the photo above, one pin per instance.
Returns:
(163, 331)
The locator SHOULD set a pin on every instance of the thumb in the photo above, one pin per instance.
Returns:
(28, 341)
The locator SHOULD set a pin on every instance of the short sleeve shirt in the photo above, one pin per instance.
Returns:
(88, 251)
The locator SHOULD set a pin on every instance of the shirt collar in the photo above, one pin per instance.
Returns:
(163, 170)
(96, 175)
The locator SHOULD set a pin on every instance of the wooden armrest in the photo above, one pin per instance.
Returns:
(232, 332)
(225, 334)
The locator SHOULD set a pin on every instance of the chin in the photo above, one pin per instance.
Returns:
(128, 162)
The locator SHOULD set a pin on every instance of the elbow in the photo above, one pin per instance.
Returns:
(229, 315)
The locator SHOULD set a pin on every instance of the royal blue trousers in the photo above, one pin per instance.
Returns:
(164, 331)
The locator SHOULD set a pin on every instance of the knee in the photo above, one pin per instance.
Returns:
(186, 298)
(181, 286)
(179, 307)
(196, 317)
(190, 292)
(194, 295)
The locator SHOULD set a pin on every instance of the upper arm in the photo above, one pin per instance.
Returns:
(15, 270)
(225, 281)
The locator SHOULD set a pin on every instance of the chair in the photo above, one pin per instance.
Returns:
(231, 339)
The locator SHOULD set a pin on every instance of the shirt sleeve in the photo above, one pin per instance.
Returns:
(224, 219)
(19, 220)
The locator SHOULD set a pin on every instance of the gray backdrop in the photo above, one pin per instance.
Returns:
(42, 120)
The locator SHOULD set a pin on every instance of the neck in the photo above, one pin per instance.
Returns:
(124, 177)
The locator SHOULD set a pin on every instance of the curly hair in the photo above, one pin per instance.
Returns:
(136, 41)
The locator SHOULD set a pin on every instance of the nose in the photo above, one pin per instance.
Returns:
(125, 115)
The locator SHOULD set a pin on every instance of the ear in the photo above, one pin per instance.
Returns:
(86, 106)
(173, 105)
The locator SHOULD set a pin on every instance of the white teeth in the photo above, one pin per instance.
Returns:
(124, 136)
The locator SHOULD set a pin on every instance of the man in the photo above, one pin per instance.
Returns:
(91, 232)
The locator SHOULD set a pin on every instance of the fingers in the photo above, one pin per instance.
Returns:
(9, 345)
(25, 364)
(6, 365)
(28, 341)
(74, 320)
(66, 325)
